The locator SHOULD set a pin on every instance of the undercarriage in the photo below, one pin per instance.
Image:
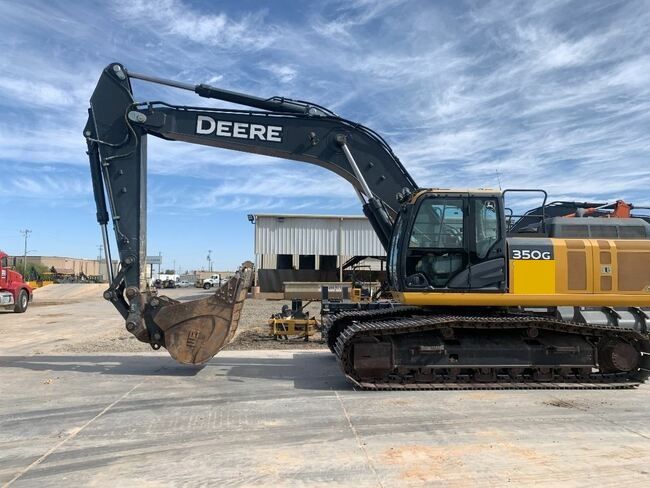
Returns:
(411, 348)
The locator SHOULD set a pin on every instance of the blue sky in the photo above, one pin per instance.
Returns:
(552, 94)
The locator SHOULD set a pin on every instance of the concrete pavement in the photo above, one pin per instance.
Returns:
(288, 418)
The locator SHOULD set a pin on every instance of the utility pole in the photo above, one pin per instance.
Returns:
(209, 261)
(25, 233)
(99, 260)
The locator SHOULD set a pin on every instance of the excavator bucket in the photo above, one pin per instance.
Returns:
(195, 331)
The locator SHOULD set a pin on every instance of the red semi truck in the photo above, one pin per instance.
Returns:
(15, 294)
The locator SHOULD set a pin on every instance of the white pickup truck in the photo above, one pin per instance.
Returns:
(212, 281)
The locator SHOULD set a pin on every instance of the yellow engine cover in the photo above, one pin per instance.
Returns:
(556, 272)
(579, 266)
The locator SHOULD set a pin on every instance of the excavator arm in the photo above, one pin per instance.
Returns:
(116, 136)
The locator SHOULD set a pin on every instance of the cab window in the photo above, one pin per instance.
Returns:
(438, 224)
(450, 235)
(487, 225)
(436, 249)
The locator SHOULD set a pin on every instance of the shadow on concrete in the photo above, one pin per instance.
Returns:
(102, 364)
(310, 371)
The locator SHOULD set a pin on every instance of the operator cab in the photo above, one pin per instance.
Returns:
(449, 240)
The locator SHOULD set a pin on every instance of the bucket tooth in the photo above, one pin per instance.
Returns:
(195, 331)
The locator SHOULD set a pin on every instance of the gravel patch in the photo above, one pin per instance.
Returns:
(252, 332)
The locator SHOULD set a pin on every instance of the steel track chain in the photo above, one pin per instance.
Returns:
(366, 325)
(334, 324)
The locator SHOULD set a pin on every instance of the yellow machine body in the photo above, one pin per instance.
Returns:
(544, 272)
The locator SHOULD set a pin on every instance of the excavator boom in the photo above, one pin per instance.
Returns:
(116, 136)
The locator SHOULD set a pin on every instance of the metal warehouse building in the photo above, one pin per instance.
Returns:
(311, 247)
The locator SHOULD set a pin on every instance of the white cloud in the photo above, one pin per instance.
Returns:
(217, 30)
(349, 16)
(34, 93)
(46, 187)
(283, 73)
(548, 49)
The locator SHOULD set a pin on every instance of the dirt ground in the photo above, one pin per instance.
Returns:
(59, 294)
(253, 331)
(56, 302)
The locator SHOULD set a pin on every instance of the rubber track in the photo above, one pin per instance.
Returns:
(367, 325)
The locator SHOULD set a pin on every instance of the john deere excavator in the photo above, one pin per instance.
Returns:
(558, 297)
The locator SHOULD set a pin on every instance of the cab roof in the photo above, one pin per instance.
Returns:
(456, 191)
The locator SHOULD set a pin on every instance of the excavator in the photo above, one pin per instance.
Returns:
(557, 297)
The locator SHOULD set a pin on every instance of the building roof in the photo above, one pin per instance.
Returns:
(311, 216)
(35, 256)
(316, 235)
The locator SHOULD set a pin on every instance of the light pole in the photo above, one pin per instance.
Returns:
(25, 233)
(99, 260)
(252, 219)
(209, 261)
(98, 270)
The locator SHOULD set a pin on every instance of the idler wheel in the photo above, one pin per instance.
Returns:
(618, 356)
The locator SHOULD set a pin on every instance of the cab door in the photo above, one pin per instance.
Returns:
(455, 242)
(486, 246)
(4, 272)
